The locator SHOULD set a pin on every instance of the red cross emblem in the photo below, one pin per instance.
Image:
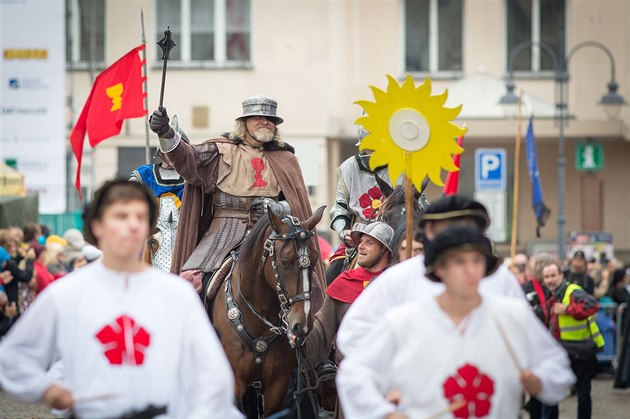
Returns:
(473, 386)
(125, 341)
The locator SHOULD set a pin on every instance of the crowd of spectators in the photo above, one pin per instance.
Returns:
(30, 259)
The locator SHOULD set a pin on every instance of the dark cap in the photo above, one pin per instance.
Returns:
(454, 239)
(579, 255)
(457, 206)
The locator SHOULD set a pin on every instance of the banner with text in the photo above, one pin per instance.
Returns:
(32, 68)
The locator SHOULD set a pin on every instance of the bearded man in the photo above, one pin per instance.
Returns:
(230, 182)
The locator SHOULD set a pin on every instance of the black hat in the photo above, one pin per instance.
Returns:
(454, 239)
(456, 206)
(579, 255)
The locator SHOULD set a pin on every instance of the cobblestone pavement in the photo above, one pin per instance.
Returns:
(607, 404)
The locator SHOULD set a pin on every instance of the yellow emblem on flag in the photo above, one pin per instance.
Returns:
(115, 94)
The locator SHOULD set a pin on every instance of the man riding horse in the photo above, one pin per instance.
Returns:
(230, 183)
(360, 193)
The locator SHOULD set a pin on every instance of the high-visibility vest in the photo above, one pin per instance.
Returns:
(572, 329)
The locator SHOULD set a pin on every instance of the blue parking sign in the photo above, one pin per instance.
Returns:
(490, 169)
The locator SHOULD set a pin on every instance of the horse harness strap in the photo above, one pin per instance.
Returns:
(258, 346)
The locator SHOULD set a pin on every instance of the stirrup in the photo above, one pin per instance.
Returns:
(326, 371)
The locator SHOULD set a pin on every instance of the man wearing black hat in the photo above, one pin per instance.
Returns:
(577, 274)
(450, 353)
(230, 182)
(406, 282)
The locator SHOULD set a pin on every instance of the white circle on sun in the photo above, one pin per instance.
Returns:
(409, 129)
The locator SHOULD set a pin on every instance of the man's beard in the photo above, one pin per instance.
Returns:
(263, 135)
(370, 263)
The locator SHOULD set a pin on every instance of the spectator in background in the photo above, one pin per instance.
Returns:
(618, 291)
(8, 312)
(519, 267)
(31, 232)
(9, 247)
(43, 277)
(400, 244)
(90, 253)
(76, 243)
(54, 254)
(622, 372)
(537, 295)
(577, 273)
(570, 311)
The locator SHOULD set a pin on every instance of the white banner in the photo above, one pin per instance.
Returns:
(32, 71)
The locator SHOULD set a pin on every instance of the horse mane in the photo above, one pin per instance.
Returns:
(397, 198)
(255, 236)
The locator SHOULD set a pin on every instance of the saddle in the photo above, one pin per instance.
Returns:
(217, 279)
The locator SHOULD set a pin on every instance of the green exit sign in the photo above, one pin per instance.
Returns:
(589, 156)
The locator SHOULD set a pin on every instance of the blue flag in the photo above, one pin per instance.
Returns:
(542, 212)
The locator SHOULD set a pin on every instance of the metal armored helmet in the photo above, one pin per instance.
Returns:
(178, 129)
(261, 106)
(361, 135)
(379, 230)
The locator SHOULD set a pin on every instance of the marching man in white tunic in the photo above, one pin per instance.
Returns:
(458, 354)
(131, 340)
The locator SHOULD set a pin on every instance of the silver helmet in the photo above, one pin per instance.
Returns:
(362, 133)
(379, 230)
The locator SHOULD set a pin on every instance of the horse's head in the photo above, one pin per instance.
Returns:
(293, 255)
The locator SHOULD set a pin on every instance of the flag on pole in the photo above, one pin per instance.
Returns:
(117, 94)
(542, 212)
(452, 178)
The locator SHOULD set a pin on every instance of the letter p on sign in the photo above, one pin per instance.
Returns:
(490, 169)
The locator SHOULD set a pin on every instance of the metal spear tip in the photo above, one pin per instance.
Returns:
(166, 43)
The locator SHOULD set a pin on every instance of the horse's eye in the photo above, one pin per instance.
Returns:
(285, 264)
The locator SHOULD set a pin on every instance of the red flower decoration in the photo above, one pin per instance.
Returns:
(370, 201)
(474, 387)
(125, 341)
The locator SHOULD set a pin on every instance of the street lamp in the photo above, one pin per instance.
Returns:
(612, 102)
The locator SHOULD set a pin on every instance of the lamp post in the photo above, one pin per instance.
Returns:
(611, 100)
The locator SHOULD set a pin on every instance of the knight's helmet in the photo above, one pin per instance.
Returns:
(378, 230)
(178, 129)
(364, 155)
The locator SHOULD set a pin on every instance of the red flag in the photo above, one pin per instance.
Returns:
(452, 179)
(117, 94)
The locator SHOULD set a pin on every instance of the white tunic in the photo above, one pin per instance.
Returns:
(402, 283)
(141, 338)
(417, 349)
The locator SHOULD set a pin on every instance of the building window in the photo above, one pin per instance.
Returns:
(536, 21)
(433, 35)
(85, 31)
(213, 31)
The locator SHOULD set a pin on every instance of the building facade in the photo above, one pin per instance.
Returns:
(318, 57)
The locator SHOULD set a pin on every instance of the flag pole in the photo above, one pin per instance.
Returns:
(147, 146)
(517, 159)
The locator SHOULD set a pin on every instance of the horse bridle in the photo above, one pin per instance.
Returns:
(300, 238)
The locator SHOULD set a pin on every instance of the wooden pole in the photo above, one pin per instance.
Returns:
(147, 145)
(408, 208)
(517, 160)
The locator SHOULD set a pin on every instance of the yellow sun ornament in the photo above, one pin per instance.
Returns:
(410, 131)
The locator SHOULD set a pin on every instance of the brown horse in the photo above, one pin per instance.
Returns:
(265, 300)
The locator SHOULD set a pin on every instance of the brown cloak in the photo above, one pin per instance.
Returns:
(198, 164)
